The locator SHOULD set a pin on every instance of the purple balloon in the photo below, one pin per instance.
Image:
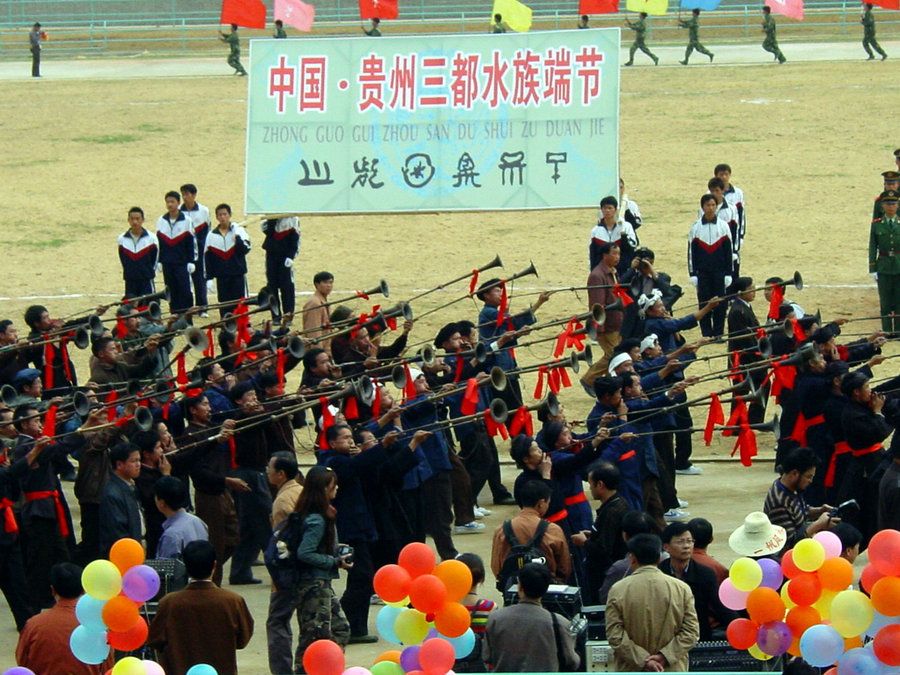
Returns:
(859, 661)
(432, 633)
(772, 576)
(140, 583)
(18, 670)
(409, 658)
(774, 638)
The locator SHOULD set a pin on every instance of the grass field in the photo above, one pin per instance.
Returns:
(807, 143)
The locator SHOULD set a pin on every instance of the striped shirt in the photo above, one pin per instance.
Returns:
(787, 509)
(480, 611)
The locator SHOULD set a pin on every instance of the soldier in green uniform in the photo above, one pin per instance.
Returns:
(770, 44)
(234, 56)
(498, 26)
(891, 182)
(869, 41)
(693, 26)
(373, 32)
(279, 30)
(884, 260)
(640, 28)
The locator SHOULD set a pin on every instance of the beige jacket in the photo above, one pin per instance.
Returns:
(285, 501)
(647, 613)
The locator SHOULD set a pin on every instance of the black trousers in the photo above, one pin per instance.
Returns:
(12, 583)
(684, 446)
(137, 287)
(89, 548)
(45, 547)
(439, 514)
(356, 597)
(479, 455)
(280, 282)
(178, 281)
(231, 288)
(35, 62)
(665, 455)
(708, 286)
(198, 278)
(254, 530)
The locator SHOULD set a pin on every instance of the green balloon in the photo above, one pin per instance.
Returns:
(386, 668)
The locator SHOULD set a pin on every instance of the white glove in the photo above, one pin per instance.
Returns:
(694, 281)
(727, 282)
(211, 286)
(191, 268)
(874, 275)
(288, 262)
(159, 267)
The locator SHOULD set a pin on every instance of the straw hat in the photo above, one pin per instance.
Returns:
(757, 537)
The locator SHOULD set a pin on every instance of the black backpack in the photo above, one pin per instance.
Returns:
(520, 554)
(280, 555)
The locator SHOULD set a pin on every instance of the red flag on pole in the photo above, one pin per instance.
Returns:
(887, 4)
(378, 9)
(598, 6)
(789, 8)
(296, 14)
(247, 13)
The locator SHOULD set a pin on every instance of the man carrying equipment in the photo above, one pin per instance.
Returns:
(234, 56)
(693, 26)
(639, 27)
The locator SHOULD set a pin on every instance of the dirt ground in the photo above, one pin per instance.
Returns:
(807, 144)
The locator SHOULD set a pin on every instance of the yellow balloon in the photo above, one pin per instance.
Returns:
(101, 580)
(411, 626)
(758, 654)
(745, 574)
(809, 555)
(823, 604)
(788, 603)
(851, 613)
(400, 603)
(129, 666)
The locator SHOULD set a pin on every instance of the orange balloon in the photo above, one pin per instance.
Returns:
(794, 649)
(886, 596)
(765, 605)
(417, 559)
(392, 583)
(126, 553)
(392, 655)
(457, 578)
(120, 614)
(836, 574)
(453, 620)
(831, 671)
(869, 576)
(427, 593)
(788, 567)
(852, 642)
(805, 589)
(800, 618)
(131, 639)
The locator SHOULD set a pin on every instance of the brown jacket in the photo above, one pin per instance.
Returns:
(602, 275)
(553, 544)
(647, 613)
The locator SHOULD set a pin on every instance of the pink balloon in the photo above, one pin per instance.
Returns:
(731, 597)
(831, 542)
(357, 670)
(153, 668)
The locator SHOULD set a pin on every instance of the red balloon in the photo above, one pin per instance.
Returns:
(788, 567)
(392, 583)
(323, 657)
(417, 559)
(870, 575)
(427, 593)
(129, 640)
(805, 589)
(887, 644)
(741, 633)
(765, 605)
(884, 552)
(436, 656)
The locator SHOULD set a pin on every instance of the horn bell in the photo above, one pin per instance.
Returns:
(499, 410)
(498, 378)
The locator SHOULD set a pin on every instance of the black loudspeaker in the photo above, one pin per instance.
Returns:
(564, 600)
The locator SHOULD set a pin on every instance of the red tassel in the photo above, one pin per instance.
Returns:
(715, 416)
(210, 351)
(738, 417)
(363, 296)
(563, 377)
(539, 388)
(181, 377)
(504, 304)
(409, 389)
(747, 445)
(470, 398)
(376, 404)
(66, 361)
(110, 401)
(522, 422)
(49, 353)
(473, 282)
(232, 451)
(121, 330)
(457, 375)
(775, 302)
(799, 334)
(165, 410)
(623, 295)
(351, 409)
(50, 421)
(280, 359)
(553, 380)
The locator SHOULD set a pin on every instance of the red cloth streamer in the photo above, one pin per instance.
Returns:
(10, 526)
(539, 387)
(746, 443)
(210, 351)
(409, 389)
(181, 373)
(734, 375)
(775, 302)
(391, 322)
(739, 417)
(49, 353)
(280, 358)
(567, 339)
(553, 380)
(457, 374)
(50, 421)
(360, 294)
(242, 322)
(504, 304)
(327, 421)
(376, 404)
(493, 428)
(563, 375)
(473, 282)
(522, 422)
(61, 521)
(715, 416)
(843, 352)
(799, 334)
(110, 402)
(470, 398)
(123, 421)
(165, 410)
(351, 408)
(840, 448)
(623, 295)
(783, 378)
(66, 361)
(121, 329)
(232, 451)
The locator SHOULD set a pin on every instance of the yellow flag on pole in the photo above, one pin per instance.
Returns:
(516, 15)
(651, 7)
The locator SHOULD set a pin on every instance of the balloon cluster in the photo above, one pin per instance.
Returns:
(435, 630)
(815, 614)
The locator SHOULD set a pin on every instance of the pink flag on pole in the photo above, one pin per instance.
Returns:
(295, 13)
(789, 8)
